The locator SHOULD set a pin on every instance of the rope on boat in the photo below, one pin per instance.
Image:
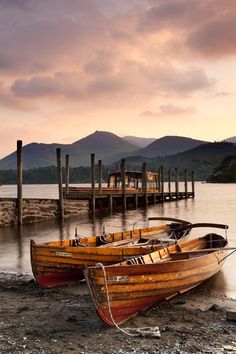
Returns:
(133, 332)
(227, 255)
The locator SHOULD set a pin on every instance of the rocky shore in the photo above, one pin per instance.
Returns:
(64, 320)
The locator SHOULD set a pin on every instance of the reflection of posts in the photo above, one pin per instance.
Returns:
(19, 181)
(186, 183)
(176, 183)
(20, 248)
(193, 188)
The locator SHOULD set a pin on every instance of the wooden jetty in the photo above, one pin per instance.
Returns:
(126, 188)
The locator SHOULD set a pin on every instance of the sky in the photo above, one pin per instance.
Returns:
(145, 68)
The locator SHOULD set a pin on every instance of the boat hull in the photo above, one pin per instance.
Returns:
(122, 291)
(62, 262)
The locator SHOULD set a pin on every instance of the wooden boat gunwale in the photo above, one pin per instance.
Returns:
(74, 256)
(207, 263)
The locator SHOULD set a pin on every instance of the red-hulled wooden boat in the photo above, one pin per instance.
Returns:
(120, 291)
(61, 262)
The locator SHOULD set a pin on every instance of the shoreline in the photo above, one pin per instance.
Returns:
(64, 320)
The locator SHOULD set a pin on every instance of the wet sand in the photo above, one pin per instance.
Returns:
(64, 320)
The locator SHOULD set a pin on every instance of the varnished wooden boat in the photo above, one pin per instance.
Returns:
(120, 291)
(61, 262)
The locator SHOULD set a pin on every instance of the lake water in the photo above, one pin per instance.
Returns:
(214, 203)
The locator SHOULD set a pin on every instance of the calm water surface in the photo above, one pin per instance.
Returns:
(213, 203)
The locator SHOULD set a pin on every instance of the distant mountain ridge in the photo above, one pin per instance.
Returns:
(169, 145)
(230, 140)
(107, 146)
(103, 144)
(138, 141)
(202, 159)
(225, 172)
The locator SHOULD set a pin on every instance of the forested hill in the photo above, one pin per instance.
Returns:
(225, 172)
(202, 160)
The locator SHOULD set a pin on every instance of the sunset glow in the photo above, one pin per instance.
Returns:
(147, 68)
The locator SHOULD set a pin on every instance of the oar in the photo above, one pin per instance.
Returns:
(201, 224)
(166, 218)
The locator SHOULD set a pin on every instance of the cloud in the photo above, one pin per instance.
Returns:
(222, 94)
(216, 39)
(204, 27)
(8, 100)
(169, 110)
(150, 80)
(149, 114)
(105, 52)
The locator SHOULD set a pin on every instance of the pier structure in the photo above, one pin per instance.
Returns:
(123, 189)
(129, 188)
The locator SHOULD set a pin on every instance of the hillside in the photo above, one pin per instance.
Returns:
(169, 145)
(201, 159)
(138, 141)
(104, 144)
(165, 146)
(230, 140)
(225, 172)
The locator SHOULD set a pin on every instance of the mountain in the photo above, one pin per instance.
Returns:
(165, 146)
(201, 159)
(169, 145)
(225, 172)
(140, 142)
(103, 144)
(230, 140)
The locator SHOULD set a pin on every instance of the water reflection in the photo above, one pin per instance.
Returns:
(20, 253)
(213, 203)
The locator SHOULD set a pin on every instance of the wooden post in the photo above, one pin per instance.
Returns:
(186, 183)
(193, 187)
(100, 176)
(169, 184)
(162, 184)
(144, 183)
(176, 183)
(123, 186)
(67, 173)
(93, 181)
(19, 181)
(159, 179)
(60, 191)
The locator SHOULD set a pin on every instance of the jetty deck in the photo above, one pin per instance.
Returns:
(111, 197)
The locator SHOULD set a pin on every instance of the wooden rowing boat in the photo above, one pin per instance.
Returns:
(61, 262)
(120, 291)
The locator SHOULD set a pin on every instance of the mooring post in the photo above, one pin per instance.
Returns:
(100, 176)
(60, 190)
(162, 184)
(193, 187)
(186, 183)
(177, 183)
(159, 179)
(67, 174)
(169, 184)
(144, 183)
(19, 181)
(123, 186)
(93, 181)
